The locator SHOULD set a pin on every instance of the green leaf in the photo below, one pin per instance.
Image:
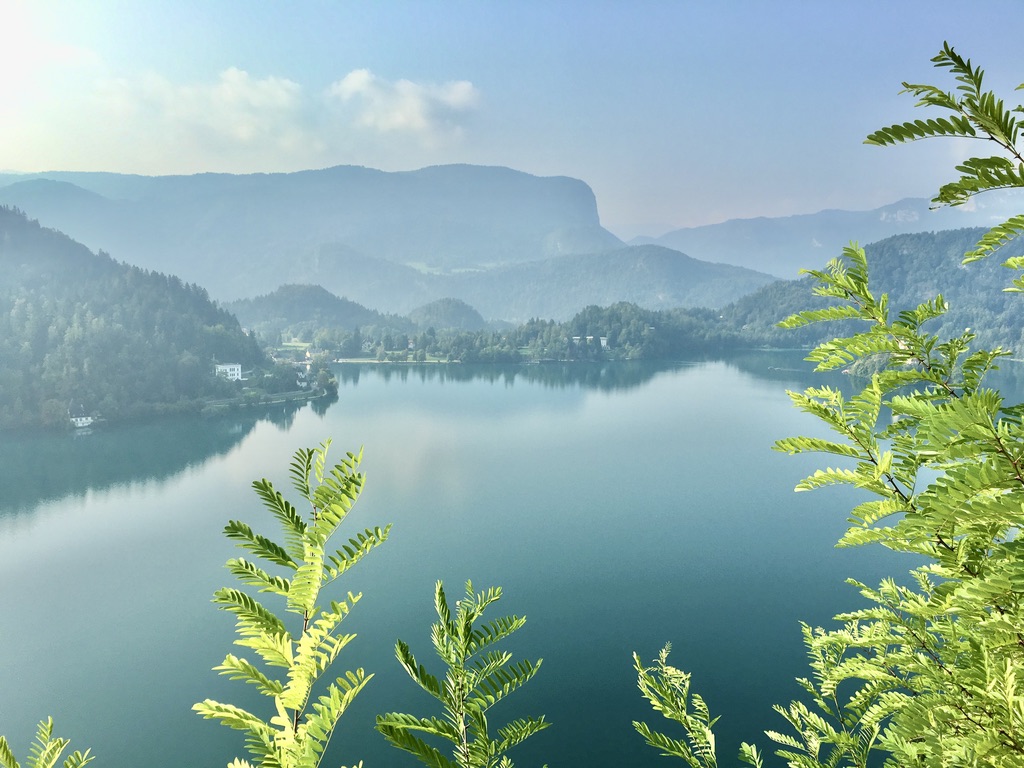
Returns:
(6, 756)
(230, 715)
(253, 617)
(403, 739)
(240, 669)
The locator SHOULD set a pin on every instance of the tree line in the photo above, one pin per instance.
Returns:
(81, 333)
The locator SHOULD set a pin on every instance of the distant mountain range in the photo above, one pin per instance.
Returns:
(243, 235)
(911, 269)
(510, 245)
(782, 246)
(555, 288)
(79, 330)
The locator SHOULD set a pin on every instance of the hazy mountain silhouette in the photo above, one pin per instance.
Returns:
(556, 288)
(448, 314)
(244, 235)
(292, 304)
(784, 245)
(911, 269)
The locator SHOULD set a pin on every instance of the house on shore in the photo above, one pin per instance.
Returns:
(230, 371)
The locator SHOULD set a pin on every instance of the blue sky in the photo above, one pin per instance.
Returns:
(676, 113)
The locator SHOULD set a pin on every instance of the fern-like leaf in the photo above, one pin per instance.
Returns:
(305, 715)
(6, 755)
(478, 676)
(240, 669)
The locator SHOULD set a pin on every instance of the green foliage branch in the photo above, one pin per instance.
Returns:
(977, 114)
(930, 673)
(478, 676)
(45, 751)
(296, 569)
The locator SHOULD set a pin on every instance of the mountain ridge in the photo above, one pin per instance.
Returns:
(234, 233)
(783, 245)
(651, 276)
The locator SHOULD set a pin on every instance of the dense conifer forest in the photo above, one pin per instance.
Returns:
(84, 334)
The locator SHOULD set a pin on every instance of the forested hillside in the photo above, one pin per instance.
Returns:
(912, 268)
(448, 313)
(913, 265)
(299, 311)
(81, 332)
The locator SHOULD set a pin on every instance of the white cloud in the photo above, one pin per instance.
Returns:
(429, 111)
(235, 113)
(147, 124)
(236, 122)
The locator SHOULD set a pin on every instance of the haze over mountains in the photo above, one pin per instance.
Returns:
(511, 245)
(243, 235)
(782, 246)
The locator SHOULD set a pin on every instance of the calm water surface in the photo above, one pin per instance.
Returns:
(619, 507)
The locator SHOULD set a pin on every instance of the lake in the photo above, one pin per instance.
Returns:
(619, 506)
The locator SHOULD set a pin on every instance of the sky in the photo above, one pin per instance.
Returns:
(675, 113)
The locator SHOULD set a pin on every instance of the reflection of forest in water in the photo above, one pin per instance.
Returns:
(604, 376)
(46, 466)
(552, 375)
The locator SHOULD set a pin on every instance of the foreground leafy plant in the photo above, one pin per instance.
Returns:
(298, 732)
(978, 115)
(930, 674)
(668, 690)
(477, 678)
(45, 751)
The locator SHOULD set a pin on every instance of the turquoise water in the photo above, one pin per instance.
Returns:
(619, 507)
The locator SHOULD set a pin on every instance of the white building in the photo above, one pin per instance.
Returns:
(230, 371)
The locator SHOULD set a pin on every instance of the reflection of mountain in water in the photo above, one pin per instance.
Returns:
(47, 466)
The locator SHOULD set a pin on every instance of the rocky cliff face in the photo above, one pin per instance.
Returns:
(243, 235)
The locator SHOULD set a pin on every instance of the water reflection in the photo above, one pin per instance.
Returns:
(552, 375)
(607, 377)
(615, 520)
(46, 466)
